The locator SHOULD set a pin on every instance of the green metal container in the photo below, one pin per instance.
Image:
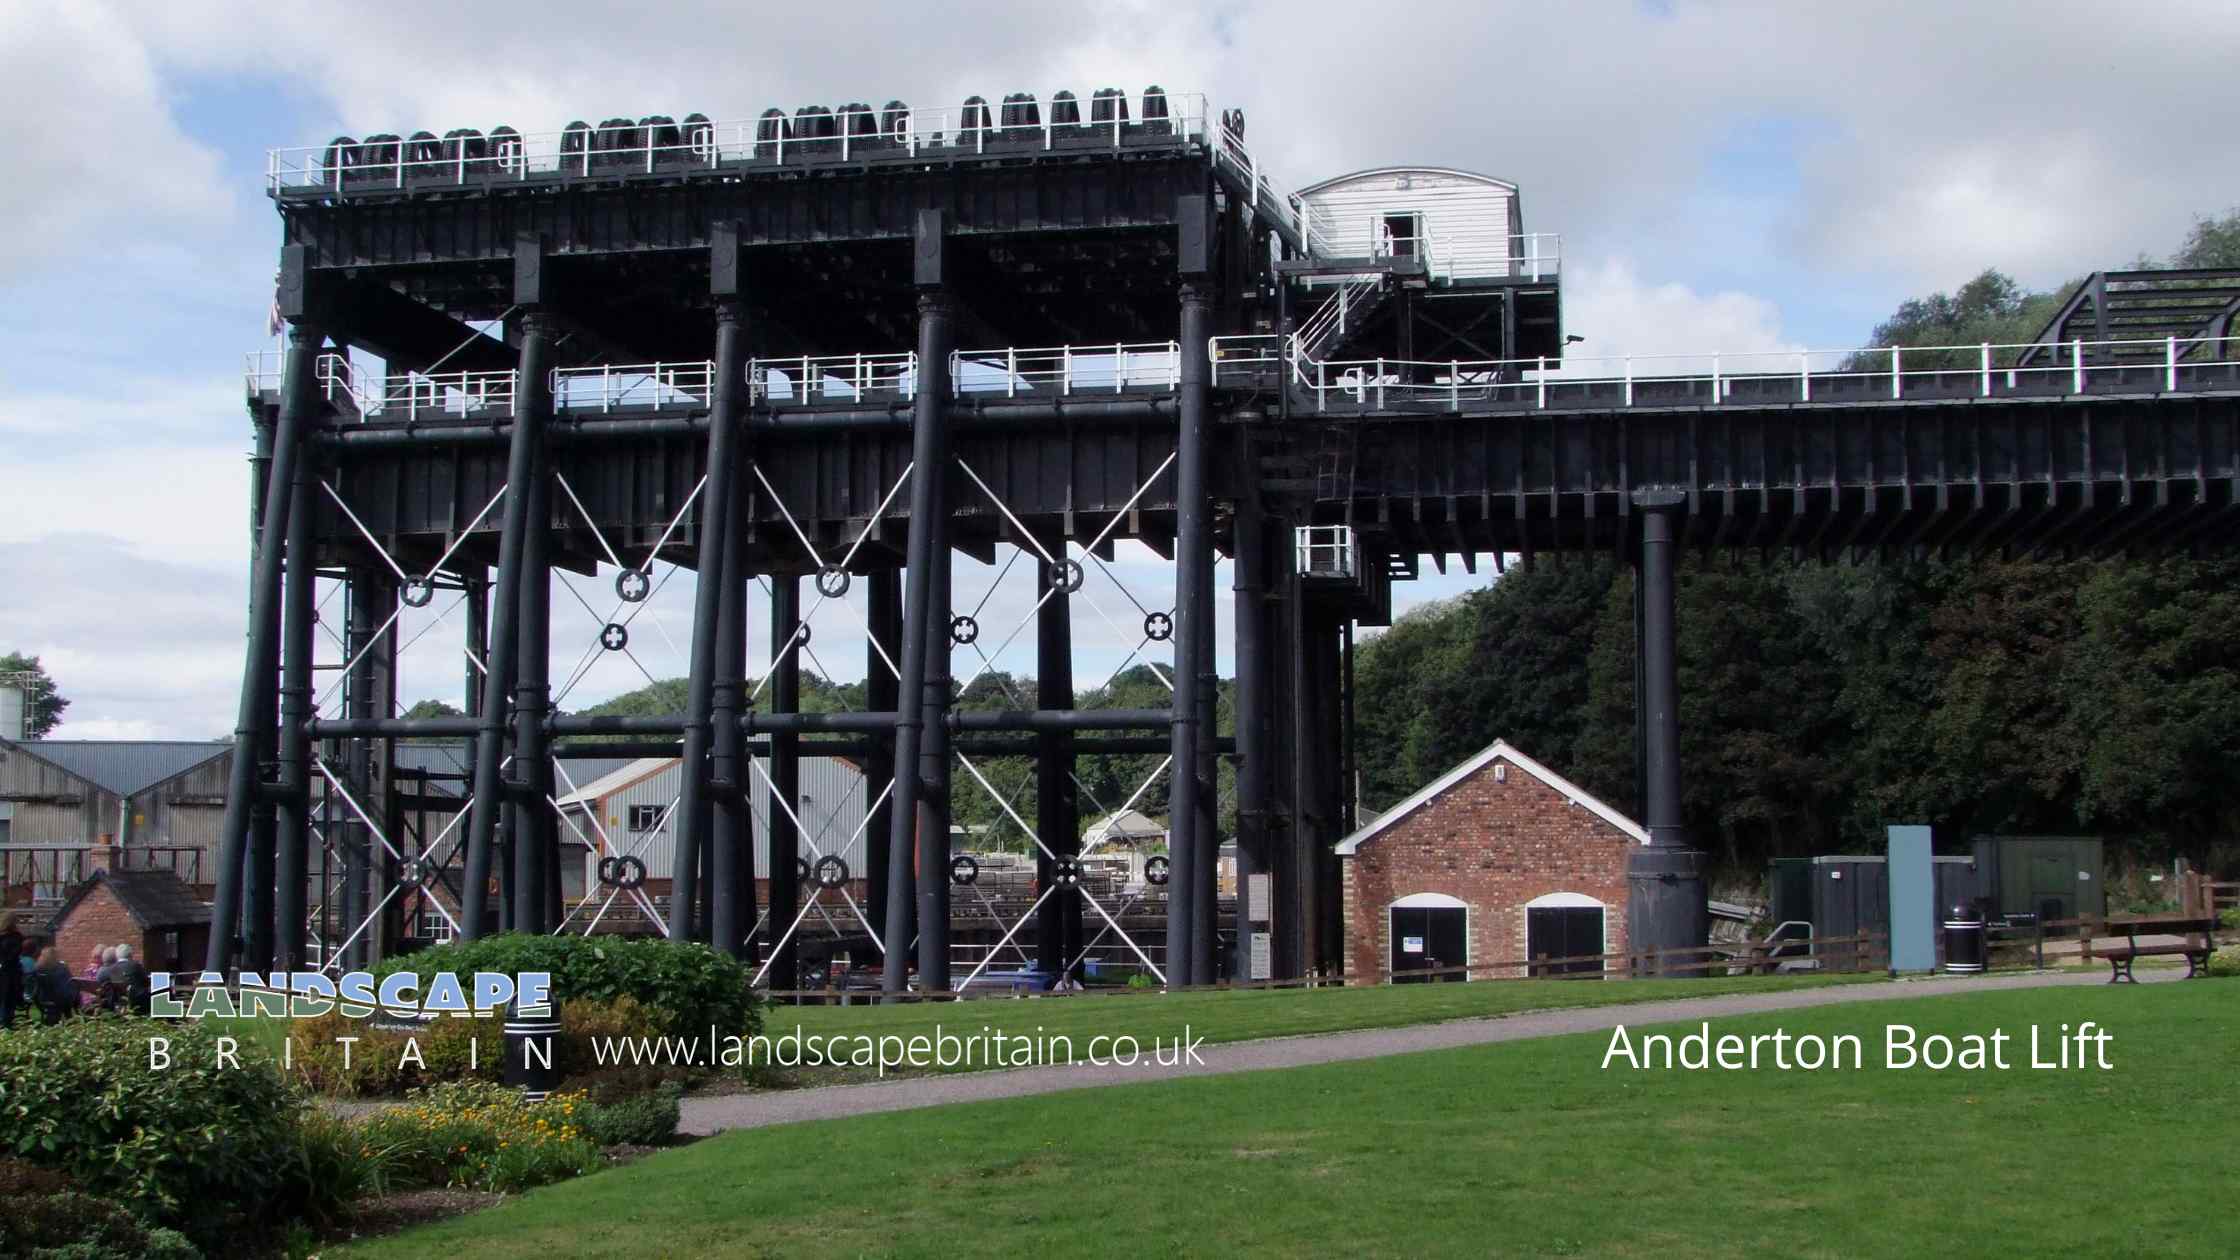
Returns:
(2053, 877)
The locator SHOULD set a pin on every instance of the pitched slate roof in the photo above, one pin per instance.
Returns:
(125, 766)
(154, 898)
(1501, 750)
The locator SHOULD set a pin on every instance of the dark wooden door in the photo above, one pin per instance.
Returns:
(1427, 939)
(1564, 932)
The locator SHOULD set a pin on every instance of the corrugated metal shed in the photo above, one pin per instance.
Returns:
(125, 767)
(634, 803)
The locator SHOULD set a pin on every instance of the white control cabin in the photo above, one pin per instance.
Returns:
(1465, 226)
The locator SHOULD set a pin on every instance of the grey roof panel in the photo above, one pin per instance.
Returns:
(125, 766)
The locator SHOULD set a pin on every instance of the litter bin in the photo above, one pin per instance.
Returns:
(532, 1049)
(1964, 944)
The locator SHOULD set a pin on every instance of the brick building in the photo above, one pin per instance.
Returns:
(154, 911)
(1499, 859)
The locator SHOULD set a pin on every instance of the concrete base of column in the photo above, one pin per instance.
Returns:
(1667, 904)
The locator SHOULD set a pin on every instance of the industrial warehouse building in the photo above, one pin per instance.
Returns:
(163, 802)
(1500, 859)
(630, 811)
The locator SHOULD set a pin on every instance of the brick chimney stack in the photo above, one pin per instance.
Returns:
(103, 855)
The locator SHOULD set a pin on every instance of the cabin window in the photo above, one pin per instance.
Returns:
(645, 817)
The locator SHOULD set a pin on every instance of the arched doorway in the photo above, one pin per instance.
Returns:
(1565, 925)
(1427, 932)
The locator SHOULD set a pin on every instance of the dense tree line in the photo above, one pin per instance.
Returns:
(1819, 704)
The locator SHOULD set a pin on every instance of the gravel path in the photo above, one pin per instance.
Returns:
(754, 1110)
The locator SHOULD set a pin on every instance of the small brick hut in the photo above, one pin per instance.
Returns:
(1497, 860)
(154, 911)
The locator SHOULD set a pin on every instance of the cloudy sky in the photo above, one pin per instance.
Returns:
(1740, 176)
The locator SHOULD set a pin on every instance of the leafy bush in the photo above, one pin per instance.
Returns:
(694, 987)
(478, 1136)
(584, 1023)
(646, 1120)
(2230, 919)
(2225, 962)
(448, 1048)
(1141, 981)
(188, 1146)
(47, 1217)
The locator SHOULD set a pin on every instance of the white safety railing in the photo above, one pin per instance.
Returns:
(264, 370)
(633, 385)
(835, 377)
(1757, 377)
(847, 134)
(1338, 313)
(443, 393)
(1114, 368)
(1309, 223)
(413, 393)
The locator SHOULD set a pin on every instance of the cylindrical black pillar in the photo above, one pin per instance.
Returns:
(933, 784)
(1193, 558)
(535, 832)
(489, 798)
(731, 864)
(786, 884)
(693, 805)
(1057, 809)
(259, 673)
(928, 535)
(1250, 583)
(278, 873)
(1666, 906)
(882, 647)
(1206, 939)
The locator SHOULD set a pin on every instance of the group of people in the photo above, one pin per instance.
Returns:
(33, 977)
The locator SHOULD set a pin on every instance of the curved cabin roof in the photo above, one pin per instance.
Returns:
(1376, 171)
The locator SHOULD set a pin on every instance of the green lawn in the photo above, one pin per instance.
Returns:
(1524, 1148)
(1250, 1014)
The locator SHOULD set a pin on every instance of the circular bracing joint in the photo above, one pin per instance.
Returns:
(629, 873)
(1156, 869)
(1066, 575)
(614, 636)
(801, 634)
(832, 581)
(609, 870)
(963, 629)
(412, 873)
(801, 868)
(416, 592)
(631, 586)
(964, 869)
(1066, 872)
(1158, 627)
(831, 871)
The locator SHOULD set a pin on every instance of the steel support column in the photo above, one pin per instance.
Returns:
(1249, 584)
(489, 796)
(928, 537)
(883, 644)
(1189, 958)
(369, 643)
(259, 673)
(785, 780)
(277, 873)
(535, 829)
(731, 865)
(933, 778)
(693, 801)
(1665, 907)
(1057, 803)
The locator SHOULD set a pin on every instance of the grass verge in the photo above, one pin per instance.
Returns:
(1522, 1148)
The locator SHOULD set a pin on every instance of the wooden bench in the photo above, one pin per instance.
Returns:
(2196, 956)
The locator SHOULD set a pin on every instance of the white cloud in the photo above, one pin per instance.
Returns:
(93, 146)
